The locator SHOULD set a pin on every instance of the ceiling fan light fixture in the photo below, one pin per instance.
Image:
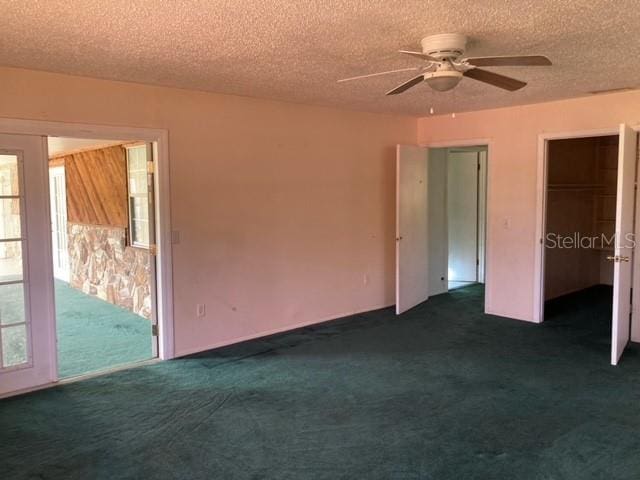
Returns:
(443, 81)
(444, 65)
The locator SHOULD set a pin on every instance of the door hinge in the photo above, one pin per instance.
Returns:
(154, 330)
(150, 167)
(153, 249)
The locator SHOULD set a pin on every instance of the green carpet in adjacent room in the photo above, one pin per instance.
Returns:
(95, 335)
(441, 392)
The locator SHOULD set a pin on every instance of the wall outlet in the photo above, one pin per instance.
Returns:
(365, 279)
(201, 310)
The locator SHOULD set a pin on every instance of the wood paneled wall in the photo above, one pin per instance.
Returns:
(96, 186)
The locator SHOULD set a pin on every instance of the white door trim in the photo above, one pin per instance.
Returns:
(478, 142)
(482, 215)
(160, 137)
(541, 200)
(59, 171)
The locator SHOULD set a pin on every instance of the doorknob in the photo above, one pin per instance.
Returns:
(617, 258)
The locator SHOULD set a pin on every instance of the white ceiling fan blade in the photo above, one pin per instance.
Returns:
(510, 61)
(406, 85)
(421, 55)
(411, 69)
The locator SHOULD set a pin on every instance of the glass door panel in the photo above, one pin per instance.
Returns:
(14, 344)
(27, 340)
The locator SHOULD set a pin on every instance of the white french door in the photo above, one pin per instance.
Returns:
(58, 202)
(27, 327)
(622, 271)
(412, 267)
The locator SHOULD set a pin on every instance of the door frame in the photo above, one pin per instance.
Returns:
(59, 168)
(481, 204)
(541, 207)
(158, 137)
(478, 142)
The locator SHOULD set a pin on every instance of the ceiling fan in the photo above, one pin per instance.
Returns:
(445, 66)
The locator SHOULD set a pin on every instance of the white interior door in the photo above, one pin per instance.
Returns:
(151, 208)
(621, 321)
(462, 211)
(58, 202)
(412, 272)
(27, 328)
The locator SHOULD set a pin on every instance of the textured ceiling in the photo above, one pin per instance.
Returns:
(296, 49)
(64, 145)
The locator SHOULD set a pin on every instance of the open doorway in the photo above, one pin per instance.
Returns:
(457, 181)
(441, 213)
(102, 236)
(588, 225)
(580, 217)
(29, 339)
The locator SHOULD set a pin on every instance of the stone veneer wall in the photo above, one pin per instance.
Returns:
(102, 265)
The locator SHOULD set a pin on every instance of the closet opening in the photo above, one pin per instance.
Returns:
(579, 242)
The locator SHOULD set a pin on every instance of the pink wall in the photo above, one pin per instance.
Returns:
(283, 209)
(286, 212)
(513, 135)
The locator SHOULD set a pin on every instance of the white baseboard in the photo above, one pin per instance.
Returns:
(509, 316)
(288, 328)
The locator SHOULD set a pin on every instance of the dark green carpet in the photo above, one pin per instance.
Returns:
(94, 334)
(442, 392)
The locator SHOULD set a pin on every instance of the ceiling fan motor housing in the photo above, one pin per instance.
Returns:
(445, 45)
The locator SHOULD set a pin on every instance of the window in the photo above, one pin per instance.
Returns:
(138, 196)
(14, 316)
